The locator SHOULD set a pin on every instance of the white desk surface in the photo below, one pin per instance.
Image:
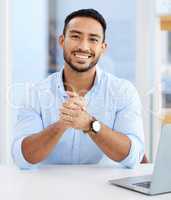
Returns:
(70, 182)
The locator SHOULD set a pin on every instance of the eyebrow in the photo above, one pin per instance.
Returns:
(91, 34)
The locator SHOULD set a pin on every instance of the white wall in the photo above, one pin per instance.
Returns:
(29, 39)
(4, 80)
(23, 57)
(145, 66)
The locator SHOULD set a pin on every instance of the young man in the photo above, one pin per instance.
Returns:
(80, 113)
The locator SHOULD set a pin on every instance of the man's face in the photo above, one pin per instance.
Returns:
(83, 43)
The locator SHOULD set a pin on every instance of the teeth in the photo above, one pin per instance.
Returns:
(82, 56)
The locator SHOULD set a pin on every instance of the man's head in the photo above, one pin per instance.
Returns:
(90, 13)
(83, 39)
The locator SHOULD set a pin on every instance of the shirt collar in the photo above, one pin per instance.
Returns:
(96, 81)
(98, 76)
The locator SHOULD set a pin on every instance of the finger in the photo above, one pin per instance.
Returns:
(65, 111)
(69, 112)
(66, 118)
(66, 123)
(80, 104)
(79, 101)
(77, 97)
(72, 94)
(71, 105)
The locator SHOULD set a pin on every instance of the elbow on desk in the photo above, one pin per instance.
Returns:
(133, 159)
(18, 158)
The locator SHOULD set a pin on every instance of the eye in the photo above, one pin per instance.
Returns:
(75, 36)
(94, 40)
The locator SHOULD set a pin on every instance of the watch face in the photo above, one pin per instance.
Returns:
(96, 126)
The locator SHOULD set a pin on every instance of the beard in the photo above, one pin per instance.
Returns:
(76, 67)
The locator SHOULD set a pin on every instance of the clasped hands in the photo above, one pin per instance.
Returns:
(73, 113)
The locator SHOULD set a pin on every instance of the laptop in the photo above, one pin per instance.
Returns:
(160, 181)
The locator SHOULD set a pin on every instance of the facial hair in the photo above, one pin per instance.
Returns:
(77, 69)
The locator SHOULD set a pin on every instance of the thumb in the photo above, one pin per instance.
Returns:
(72, 94)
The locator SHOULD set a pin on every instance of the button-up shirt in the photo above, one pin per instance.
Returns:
(111, 100)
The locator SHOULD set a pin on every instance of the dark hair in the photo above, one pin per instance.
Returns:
(91, 13)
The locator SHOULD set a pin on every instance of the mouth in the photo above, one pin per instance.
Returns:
(82, 56)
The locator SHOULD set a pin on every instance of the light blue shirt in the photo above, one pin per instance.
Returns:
(111, 100)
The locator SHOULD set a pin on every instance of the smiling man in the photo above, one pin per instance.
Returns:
(81, 112)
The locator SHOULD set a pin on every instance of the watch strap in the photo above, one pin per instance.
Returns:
(90, 126)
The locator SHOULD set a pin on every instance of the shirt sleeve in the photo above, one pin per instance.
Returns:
(129, 122)
(28, 122)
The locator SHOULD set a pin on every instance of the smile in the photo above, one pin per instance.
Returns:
(82, 56)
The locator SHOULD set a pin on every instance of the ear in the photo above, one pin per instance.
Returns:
(61, 41)
(104, 47)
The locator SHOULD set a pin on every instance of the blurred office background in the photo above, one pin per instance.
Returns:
(139, 49)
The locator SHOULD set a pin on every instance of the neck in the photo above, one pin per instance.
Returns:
(79, 82)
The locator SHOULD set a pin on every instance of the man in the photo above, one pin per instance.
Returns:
(81, 113)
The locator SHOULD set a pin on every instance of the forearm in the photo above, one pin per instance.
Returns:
(36, 147)
(114, 144)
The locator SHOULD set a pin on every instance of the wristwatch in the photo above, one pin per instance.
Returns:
(95, 126)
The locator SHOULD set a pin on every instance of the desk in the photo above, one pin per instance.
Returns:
(69, 182)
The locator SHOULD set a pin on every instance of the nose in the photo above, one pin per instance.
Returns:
(84, 45)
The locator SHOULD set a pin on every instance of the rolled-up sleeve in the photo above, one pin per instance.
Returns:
(28, 122)
(129, 122)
